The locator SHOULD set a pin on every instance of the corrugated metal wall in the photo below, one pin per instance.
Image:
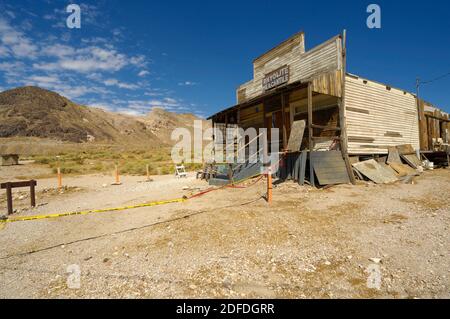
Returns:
(379, 116)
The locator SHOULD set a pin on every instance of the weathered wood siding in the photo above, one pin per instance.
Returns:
(325, 58)
(378, 116)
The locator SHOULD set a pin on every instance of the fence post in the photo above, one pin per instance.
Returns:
(269, 185)
(148, 173)
(117, 177)
(59, 178)
(33, 193)
(9, 198)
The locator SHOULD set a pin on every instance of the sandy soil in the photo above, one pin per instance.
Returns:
(229, 243)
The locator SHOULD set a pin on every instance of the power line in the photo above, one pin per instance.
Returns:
(436, 79)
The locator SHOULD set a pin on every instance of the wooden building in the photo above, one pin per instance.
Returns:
(364, 117)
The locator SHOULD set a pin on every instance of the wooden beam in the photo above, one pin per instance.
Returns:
(310, 135)
(283, 116)
(326, 128)
(18, 184)
(342, 112)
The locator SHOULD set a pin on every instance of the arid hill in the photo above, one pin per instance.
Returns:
(32, 112)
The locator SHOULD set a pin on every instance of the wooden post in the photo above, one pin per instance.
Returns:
(117, 182)
(269, 185)
(33, 193)
(148, 173)
(9, 198)
(311, 132)
(283, 116)
(59, 178)
(342, 112)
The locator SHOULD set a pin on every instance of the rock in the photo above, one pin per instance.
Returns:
(192, 287)
(375, 260)
(349, 257)
(327, 263)
(105, 260)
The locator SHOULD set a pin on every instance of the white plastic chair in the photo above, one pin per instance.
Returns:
(180, 171)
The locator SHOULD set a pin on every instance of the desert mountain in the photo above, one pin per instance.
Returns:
(39, 113)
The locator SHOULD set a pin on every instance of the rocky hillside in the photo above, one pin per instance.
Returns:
(35, 112)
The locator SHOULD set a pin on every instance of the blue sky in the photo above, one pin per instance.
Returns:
(189, 56)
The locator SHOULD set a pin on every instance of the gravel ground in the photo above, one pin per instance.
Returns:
(363, 241)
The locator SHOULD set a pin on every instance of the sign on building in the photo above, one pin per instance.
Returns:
(276, 78)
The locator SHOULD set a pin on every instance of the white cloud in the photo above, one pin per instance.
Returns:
(58, 50)
(139, 61)
(44, 79)
(89, 59)
(16, 42)
(143, 73)
(4, 52)
(122, 85)
(187, 83)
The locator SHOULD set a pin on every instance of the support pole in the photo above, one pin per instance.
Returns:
(148, 173)
(59, 178)
(269, 185)
(116, 173)
(33, 193)
(310, 137)
(283, 125)
(342, 112)
(9, 198)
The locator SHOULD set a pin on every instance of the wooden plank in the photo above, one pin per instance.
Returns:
(402, 169)
(393, 156)
(18, 184)
(405, 149)
(412, 160)
(329, 168)
(296, 136)
(375, 172)
(303, 158)
(310, 135)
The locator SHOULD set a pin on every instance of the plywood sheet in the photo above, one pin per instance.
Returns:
(296, 136)
(375, 172)
(394, 156)
(330, 168)
(412, 160)
(405, 149)
(402, 169)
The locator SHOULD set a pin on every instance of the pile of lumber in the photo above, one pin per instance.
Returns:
(401, 164)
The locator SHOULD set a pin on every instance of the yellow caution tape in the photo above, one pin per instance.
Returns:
(87, 212)
(28, 218)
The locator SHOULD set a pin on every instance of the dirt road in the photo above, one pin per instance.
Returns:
(344, 242)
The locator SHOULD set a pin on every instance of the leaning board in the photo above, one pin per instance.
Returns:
(296, 136)
(330, 168)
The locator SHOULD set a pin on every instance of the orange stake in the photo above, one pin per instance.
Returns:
(269, 186)
(59, 178)
(117, 175)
